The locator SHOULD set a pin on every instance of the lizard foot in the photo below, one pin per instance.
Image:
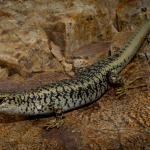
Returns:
(57, 122)
(129, 85)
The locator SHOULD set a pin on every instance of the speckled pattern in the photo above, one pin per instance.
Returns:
(84, 89)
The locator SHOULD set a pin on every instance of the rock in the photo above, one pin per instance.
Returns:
(25, 50)
(90, 54)
(129, 14)
(56, 51)
(120, 39)
(3, 73)
(28, 29)
(68, 68)
(80, 62)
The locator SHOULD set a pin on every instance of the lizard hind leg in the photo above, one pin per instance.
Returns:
(115, 79)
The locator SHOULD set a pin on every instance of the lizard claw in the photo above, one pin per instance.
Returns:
(55, 123)
(129, 85)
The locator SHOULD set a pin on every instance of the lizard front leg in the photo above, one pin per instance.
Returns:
(115, 79)
(128, 86)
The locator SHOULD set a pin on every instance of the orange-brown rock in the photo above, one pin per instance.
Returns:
(27, 29)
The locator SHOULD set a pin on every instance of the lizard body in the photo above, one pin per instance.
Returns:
(84, 89)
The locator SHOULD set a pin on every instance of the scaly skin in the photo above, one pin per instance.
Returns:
(84, 89)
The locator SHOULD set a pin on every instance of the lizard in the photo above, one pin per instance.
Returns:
(85, 88)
